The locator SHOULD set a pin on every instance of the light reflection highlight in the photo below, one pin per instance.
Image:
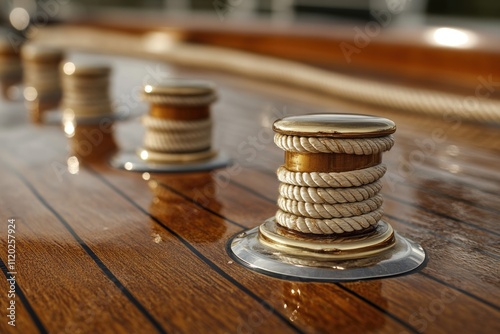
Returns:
(30, 94)
(454, 168)
(453, 150)
(452, 37)
(73, 165)
(160, 41)
(69, 68)
(128, 166)
(144, 155)
(69, 128)
(450, 167)
(19, 18)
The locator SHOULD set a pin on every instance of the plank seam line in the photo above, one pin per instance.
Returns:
(439, 214)
(199, 254)
(380, 309)
(495, 307)
(466, 201)
(198, 204)
(344, 288)
(348, 290)
(419, 207)
(26, 303)
(404, 222)
(421, 169)
(419, 272)
(106, 271)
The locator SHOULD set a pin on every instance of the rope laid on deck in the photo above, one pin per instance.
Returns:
(249, 65)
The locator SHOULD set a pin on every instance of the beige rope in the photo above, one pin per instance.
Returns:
(176, 142)
(325, 211)
(163, 135)
(191, 101)
(367, 91)
(331, 203)
(328, 226)
(333, 145)
(326, 203)
(329, 195)
(177, 125)
(268, 68)
(353, 178)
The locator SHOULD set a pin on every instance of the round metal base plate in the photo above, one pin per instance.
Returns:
(132, 162)
(256, 253)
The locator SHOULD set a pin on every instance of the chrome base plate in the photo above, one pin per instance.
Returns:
(132, 162)
(249, 249)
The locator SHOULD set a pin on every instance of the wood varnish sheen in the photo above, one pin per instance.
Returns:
(101, 251)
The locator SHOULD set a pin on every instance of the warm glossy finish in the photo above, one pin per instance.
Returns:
(108, 251)
(328, 162)
(86, 69)
(379, 255)
(345, 247)
(335, 125)
(183, 87)
(6, 46)
(37, 53)
(404, 51)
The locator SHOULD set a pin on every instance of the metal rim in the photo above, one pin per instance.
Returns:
(339, 248)
(130, 161)
(335, 125)
(404, 257)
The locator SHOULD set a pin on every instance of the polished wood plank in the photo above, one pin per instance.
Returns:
(467, 272)
(24, 317)
(52, 264)
(155, 244)
(422, 283)
(211, 242)
(146, 259)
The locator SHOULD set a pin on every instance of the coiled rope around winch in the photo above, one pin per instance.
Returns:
(334, 202)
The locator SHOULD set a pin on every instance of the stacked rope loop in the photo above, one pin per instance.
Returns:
(178, 124)
(326, 202)
(41, 78)
(86, 90)
(10, 66)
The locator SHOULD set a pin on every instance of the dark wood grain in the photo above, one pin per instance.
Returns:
(105, 250)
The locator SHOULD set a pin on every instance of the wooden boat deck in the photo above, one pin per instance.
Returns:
(110, 251)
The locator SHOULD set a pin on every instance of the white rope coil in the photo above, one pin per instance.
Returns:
(363, 146)
(176, 142)
(329, 195)
(326, 211)
(406, 99)
(328, 226)
(176, 136)
(189, 101)
(353, 178)
(331, 203)
(176, 125)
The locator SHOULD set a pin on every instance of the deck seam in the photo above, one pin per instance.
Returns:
(36, 320)
(210, 263)
(479, 299)
(100, 264)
